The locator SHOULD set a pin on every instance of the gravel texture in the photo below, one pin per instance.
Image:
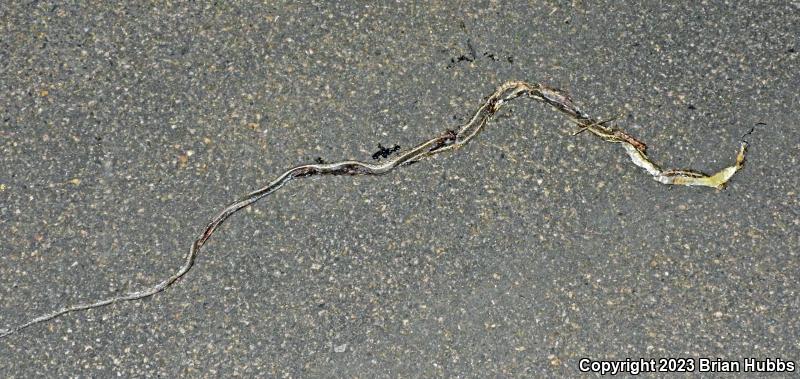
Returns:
(124, 127)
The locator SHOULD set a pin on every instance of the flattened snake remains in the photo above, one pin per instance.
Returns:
(449, 140)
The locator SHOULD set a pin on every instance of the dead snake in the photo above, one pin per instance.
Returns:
(449, 140)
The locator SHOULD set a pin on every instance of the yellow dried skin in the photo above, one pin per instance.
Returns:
(449, 140)
(687, 177)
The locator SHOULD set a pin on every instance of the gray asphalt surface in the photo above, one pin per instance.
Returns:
(125, 127)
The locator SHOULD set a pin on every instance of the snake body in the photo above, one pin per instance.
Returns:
(446, 141)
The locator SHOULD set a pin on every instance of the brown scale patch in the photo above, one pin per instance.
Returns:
(687, 173)
(639, 145)
(447, 138)
(304, 171)
(351, 169)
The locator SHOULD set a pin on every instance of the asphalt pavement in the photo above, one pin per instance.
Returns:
(125, 126)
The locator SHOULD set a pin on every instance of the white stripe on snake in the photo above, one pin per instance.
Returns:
(449, 140)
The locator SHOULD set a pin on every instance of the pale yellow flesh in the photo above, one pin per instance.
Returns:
(449, 141)
(686, 178)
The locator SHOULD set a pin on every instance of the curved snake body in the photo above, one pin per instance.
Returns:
(446, 141)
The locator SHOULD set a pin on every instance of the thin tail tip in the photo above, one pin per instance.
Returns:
(741, 156)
